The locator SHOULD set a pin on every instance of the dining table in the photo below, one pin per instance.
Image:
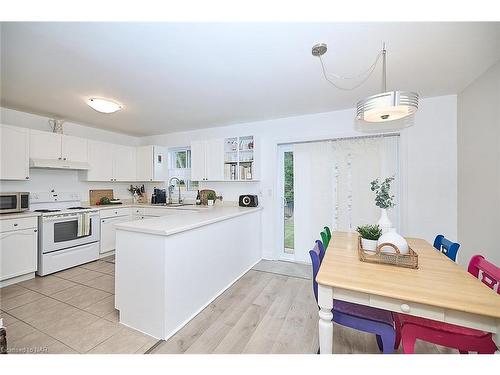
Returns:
(439, 289)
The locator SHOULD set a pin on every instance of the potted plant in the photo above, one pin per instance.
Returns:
(384, 200)
(211, 198)
(369, 236)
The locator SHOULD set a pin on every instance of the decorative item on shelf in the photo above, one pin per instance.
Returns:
(384, 200)
(369, 236)
(211, 198)
(56, 125)
(394, 258)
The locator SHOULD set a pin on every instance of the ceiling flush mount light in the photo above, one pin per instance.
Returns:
(386, 107)
(104, 105)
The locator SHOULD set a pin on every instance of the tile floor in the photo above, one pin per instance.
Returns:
(68, 312)
(269, 310)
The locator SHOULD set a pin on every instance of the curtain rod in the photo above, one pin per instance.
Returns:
(344, 138)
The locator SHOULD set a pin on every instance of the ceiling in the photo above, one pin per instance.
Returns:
(181, 76)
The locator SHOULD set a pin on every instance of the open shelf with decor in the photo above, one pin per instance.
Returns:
(239, 158)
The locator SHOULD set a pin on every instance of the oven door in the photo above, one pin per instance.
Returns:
(61, 232)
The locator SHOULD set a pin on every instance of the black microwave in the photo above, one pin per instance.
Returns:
(14, 202)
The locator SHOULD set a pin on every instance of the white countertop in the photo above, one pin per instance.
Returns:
(180, 221)
(19, 215)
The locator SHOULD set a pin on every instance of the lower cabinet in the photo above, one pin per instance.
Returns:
(18, 248)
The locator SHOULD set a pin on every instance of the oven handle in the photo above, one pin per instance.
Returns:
(66, 217)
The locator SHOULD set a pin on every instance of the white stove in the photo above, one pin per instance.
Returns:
(68, 234)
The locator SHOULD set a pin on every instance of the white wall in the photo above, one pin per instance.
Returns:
(65, 180)
(479, 167)
(428, 153)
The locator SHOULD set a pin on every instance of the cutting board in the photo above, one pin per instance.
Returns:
(96, 195)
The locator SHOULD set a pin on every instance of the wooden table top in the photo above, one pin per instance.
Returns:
(438, 281)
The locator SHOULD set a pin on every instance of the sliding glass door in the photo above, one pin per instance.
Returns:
(327, 183)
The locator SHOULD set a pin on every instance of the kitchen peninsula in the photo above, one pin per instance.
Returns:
(169, 268)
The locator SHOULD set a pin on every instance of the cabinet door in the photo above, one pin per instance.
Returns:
(18, 252)
(198, 160)
(124, 163)
(74, 149)
(144, 164)
(214, 160)
(108, 232)
(45, 145)
(100, 155)
(14, 153)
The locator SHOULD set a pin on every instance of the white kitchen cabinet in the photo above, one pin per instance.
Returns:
(207, 160)
(14, 153)
(54, 146)
(18, 248)
(108, 232)
(151, 163)
(74, 148)
(198, 160)
(100, 156)
(45, 145)
(124, 163)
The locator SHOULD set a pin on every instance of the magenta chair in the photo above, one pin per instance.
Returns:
(360, 317)
(461, 338)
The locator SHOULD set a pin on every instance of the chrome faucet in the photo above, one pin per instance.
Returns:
(171, 188)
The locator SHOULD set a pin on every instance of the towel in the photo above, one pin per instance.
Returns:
(83, 224)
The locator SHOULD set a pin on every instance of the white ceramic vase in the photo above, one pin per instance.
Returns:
(393, 238)
(384, 223)
(368, 245)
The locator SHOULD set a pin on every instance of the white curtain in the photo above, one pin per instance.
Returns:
(332, 186)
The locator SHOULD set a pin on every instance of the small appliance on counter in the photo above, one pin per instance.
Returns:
(14, 202)
(248, 201)
(159, 196)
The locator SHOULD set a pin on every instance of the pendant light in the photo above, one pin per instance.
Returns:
(386, 107)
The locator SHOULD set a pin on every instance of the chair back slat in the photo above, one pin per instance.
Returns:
(485, 271)
(316, 263)
(447, 247)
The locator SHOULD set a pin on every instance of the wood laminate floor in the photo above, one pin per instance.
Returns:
(271, 309)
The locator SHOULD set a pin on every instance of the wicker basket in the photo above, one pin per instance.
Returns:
(409, 260)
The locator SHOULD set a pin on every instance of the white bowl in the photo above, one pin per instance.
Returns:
(395, 239)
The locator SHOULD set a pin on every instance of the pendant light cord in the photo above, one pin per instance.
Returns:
(367, 72)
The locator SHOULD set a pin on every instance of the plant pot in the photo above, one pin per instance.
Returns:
(210, 202)
(368, 245)
(384, 223)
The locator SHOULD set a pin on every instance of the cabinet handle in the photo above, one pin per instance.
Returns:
(36, 230)
(27, 178)
(59, 158)
(64, 158)
(15, 224)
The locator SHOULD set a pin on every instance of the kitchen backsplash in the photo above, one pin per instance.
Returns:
(66, 180)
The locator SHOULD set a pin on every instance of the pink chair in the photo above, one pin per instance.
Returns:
(410, 328)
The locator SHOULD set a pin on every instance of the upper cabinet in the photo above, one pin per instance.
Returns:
(74, 149)
(110, 162)
(151, 163)
(100, 160)
(54, 146)
(14, 153)
(45, 145)
(124, 163)
(224, 159)
(207, 160)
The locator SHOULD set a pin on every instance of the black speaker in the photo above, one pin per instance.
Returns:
(248, 201)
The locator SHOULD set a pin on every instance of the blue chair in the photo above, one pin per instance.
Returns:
(360, 317)
(447, 247)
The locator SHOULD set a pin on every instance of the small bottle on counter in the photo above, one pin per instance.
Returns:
(198, 198)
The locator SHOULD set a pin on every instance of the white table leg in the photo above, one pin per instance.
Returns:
(325, 301)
